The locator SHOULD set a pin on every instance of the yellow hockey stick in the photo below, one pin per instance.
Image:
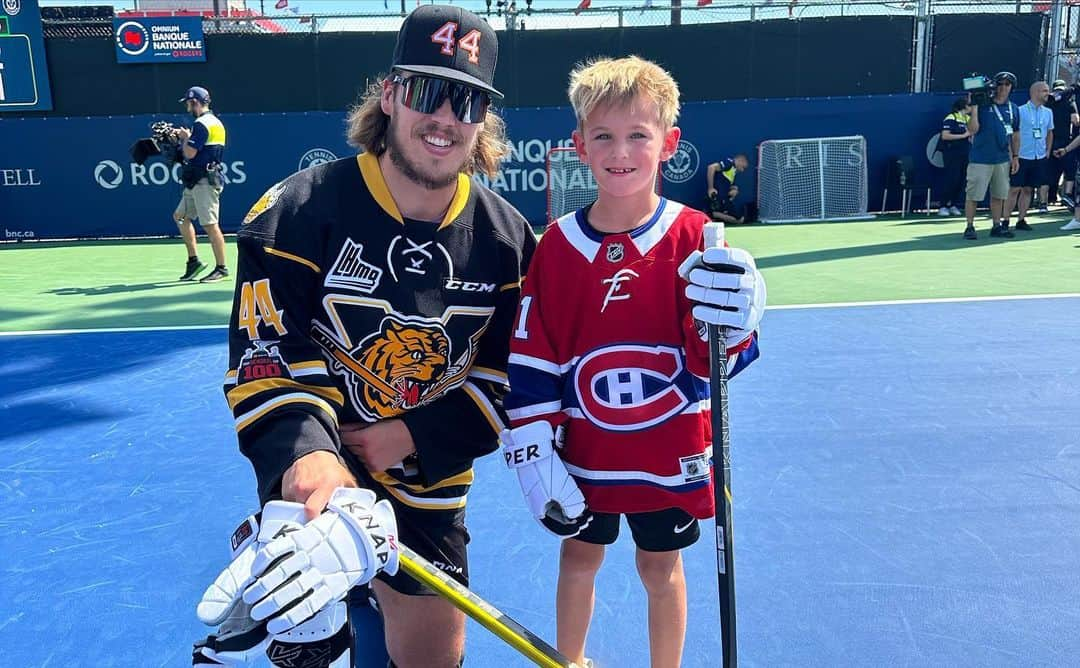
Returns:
(506, 629)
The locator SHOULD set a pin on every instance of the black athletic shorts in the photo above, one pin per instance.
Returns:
(439, 536)
(658, 531)
(1031, 174)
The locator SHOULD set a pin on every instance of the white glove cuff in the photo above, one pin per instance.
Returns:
(373, 525)
(528, 444)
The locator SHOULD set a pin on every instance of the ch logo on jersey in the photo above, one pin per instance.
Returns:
(405, 360)
(615, 293)
(405, 256)
(615, 251)
(351, 272)
(630, 387)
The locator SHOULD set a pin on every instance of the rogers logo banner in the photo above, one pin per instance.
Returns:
(110, 175)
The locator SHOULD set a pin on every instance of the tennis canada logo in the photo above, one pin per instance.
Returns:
(316, 156)
(132, 38)
(12, 7)
(683, 165)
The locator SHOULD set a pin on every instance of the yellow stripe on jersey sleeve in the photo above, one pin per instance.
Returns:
(464, 478)
(245, 420)
(423, 503)
(295, 258)
(248, 390)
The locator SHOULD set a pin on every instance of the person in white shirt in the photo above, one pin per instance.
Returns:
(1036, 140)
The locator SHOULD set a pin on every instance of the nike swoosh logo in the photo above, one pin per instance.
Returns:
(679, 529)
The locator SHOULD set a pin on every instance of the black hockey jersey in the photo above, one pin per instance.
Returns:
(345, 311)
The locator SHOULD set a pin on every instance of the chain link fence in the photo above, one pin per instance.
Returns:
(515, 15)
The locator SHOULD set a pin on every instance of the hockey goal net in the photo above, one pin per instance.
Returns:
(822, 178)
(570, 183)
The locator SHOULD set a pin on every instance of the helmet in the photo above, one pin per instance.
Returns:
(1005, 76)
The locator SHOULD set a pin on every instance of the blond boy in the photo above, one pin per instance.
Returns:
(609, 353)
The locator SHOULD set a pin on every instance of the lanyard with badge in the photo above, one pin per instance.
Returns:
(1036, 130)
(1009, 125)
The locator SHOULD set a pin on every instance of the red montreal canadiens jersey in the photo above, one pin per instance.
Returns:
(605, 343)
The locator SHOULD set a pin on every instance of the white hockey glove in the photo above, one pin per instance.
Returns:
(727, 290)
(240, 639)
(553, 496)
(302, 572)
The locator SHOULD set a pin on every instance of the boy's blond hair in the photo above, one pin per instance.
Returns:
(619, 81)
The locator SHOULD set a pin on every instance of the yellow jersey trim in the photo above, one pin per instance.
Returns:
(295, 258)
(247, 390)
(373, 178)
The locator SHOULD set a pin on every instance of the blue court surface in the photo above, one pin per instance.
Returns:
(906, 482)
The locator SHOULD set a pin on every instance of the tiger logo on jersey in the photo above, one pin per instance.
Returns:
(408, 358)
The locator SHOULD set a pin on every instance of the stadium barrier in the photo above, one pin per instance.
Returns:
(73, 177)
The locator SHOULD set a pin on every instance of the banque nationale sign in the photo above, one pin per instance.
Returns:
(159, 40)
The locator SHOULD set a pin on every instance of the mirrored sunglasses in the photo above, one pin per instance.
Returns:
(426, 94)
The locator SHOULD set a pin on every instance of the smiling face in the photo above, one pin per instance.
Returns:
(429, 149)
(623, 144)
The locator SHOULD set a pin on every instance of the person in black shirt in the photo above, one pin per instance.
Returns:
(955, 145)
(1062, 103)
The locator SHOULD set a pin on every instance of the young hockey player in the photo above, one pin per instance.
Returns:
(609, 350)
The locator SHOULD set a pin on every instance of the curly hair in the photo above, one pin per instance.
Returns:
(368, 125)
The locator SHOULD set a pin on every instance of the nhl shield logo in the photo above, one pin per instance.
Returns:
(614, 252)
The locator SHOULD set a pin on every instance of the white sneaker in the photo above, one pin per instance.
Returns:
(1073, 224)
(944, 211)
(954, 211)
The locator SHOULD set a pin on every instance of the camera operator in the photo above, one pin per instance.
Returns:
(203, 147)
(994, 156)
(1036, 142)
(1062, 103)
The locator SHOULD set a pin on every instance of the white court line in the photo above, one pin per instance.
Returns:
(173, 328)
(782, 307)
(938, 300)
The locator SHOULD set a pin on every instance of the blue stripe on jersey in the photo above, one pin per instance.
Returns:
(530, 386)
(597, 236)
(747, 356)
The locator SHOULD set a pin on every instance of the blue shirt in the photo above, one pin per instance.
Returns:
(990, 146)
(1036, 123)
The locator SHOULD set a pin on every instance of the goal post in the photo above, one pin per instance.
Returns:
(570, 183)
(813, 179)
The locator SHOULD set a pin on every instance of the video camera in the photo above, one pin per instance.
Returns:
(981, 89)
(162, 141)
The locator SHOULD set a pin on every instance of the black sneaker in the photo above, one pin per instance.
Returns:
(192, 269)
(1001, 231)
(1022, 225)
(216, 275)
(1068, 201)
(969, 233)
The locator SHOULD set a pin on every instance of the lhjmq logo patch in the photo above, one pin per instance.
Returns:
(350, 272)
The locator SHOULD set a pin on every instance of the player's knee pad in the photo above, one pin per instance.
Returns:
(324, 641)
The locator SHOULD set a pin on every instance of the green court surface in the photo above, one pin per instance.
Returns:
(132, 283)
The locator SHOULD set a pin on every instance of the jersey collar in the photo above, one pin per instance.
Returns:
(376, 185)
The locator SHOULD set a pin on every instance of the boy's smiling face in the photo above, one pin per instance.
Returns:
(624, 144)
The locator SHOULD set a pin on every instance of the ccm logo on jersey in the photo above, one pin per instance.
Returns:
(629, 387)
(468, 286)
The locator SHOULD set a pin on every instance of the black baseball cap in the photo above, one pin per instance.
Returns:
(448, 43)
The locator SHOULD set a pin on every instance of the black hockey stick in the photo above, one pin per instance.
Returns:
(721, 443)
